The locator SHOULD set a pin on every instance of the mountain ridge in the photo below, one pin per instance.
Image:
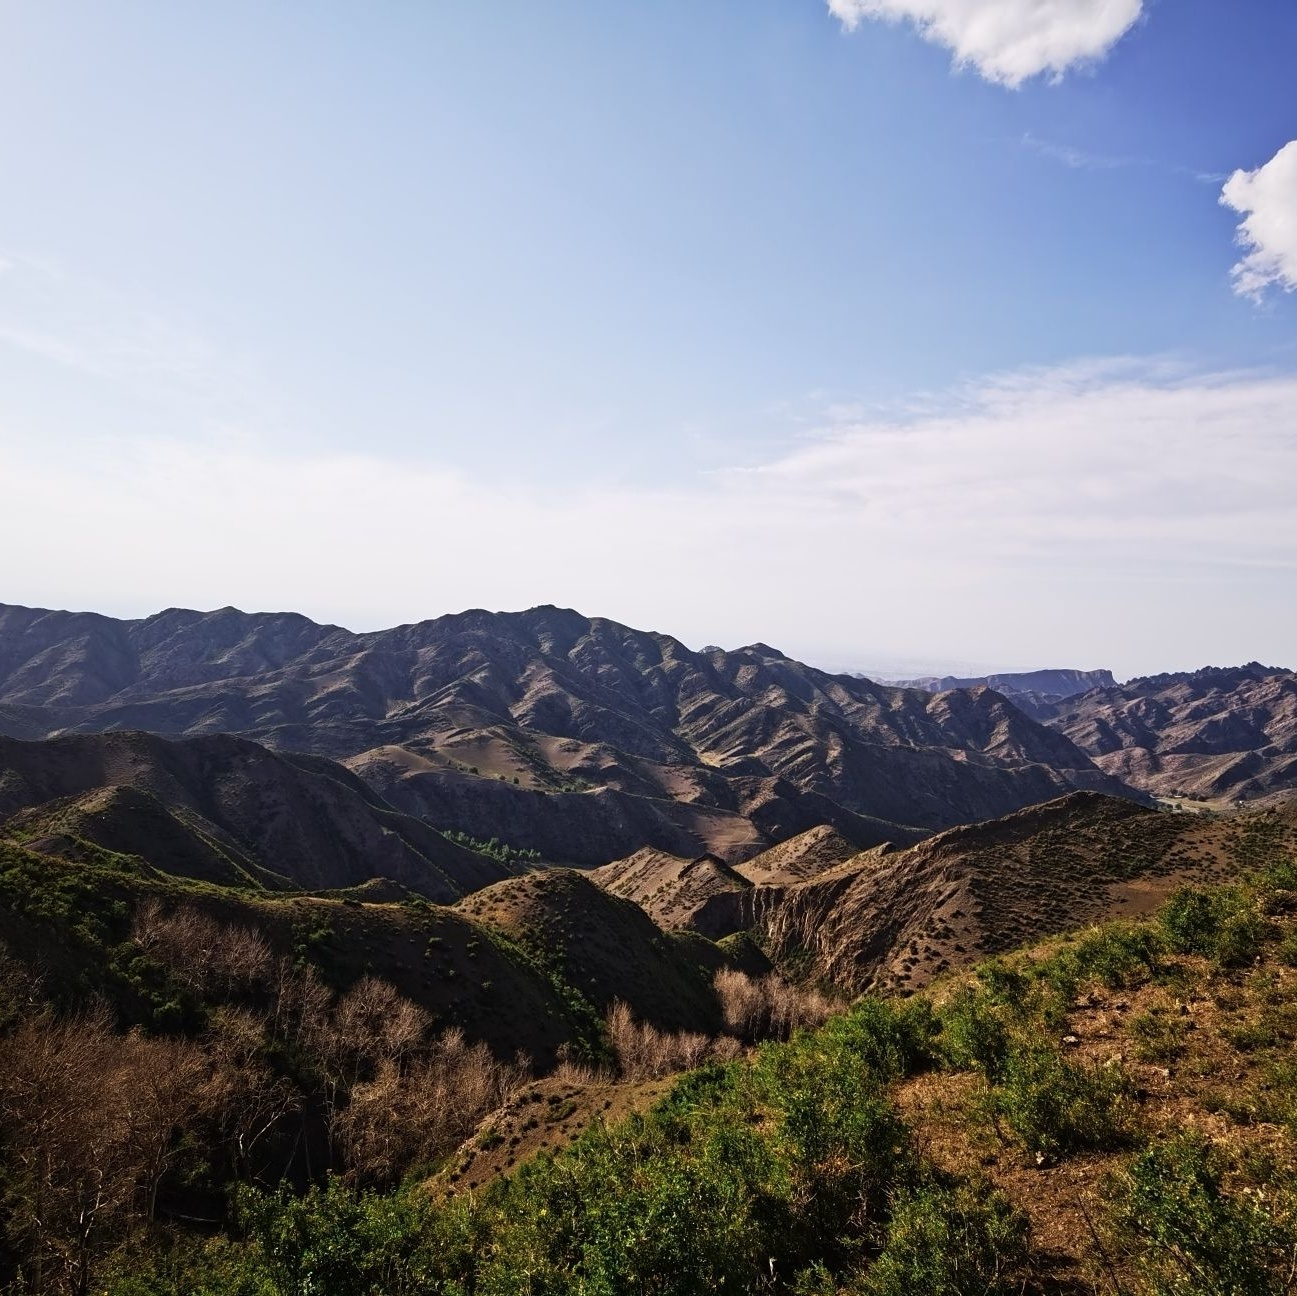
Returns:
(1217, 734)
(734, 750)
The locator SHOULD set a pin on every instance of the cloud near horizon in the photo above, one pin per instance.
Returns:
(1267, 200)
(1007, 41)
(1110, 513)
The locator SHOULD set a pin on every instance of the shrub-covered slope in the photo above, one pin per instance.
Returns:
(1113, 1113)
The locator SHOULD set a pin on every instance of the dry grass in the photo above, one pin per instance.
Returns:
(768, 1007)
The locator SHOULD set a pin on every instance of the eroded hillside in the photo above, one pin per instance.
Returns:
(579, 737)
(1215, 735)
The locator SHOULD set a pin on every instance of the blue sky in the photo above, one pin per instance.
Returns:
(892, 332)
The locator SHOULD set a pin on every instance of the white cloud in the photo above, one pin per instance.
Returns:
(1007, 41)
(1110, 513)
(1267, 200)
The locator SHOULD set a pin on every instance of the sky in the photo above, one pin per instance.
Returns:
(904, 335)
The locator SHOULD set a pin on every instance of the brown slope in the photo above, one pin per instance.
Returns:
(550, 697)
(604, 947)
(582, 828)
(1214, 734)
(186, 806)
(124, 821)
(895, 920)
(700, 895)
(707, 896)
(1029, 690)
(805, 856)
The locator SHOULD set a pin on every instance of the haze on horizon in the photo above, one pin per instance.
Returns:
(900, 334)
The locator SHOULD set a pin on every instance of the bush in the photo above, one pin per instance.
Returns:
(1191, 1236)
(1288, 949)
(1189, 921)
(1240, 939)
(346, 1243)
(974, 1034)
(1054, 1106)
(1119, 956)
(893, 1039)
(1220, 924)
(951, 1240)
(1158, 1036)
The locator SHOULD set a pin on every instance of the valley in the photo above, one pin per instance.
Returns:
(413, 913)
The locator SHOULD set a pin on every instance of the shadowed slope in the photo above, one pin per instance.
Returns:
(225, 810)
(604, 947)
(702, 752)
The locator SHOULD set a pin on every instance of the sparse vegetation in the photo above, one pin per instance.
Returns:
(510, 856)
(320, 1123)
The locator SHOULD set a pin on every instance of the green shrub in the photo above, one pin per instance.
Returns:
(892, 1038)
(1158, 1036)
(1054, 1106)
(950, 1240)
(1220, 924)
(1120, 956)
(1240, 939)
(1288, 948)
(1282, 873)
(346, 1243)
(974, 1034)
(1191, 1236)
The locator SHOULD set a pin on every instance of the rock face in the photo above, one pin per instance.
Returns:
(224, 810)
(702, 895)
(1214, 734)
(579, 737)
(1031, 691)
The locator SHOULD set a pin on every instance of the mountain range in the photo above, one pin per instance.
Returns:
(578, 738)
(1028, 690)
(1214, 734)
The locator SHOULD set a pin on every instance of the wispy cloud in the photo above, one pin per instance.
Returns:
(1084, 160)
(1096, 456)
(1007, 41)
(80, 324)
(1267, 200)
(1080, 513)
(111, 360)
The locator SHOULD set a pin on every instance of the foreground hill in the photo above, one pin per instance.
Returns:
(224, 810)
(1113, 1112)
(470, 719)
(606, 948)
(1213, 734)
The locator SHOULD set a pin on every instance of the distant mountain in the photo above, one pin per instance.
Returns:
(578, 737)
(224, 810)
(1216, 733)
(1030, 690)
